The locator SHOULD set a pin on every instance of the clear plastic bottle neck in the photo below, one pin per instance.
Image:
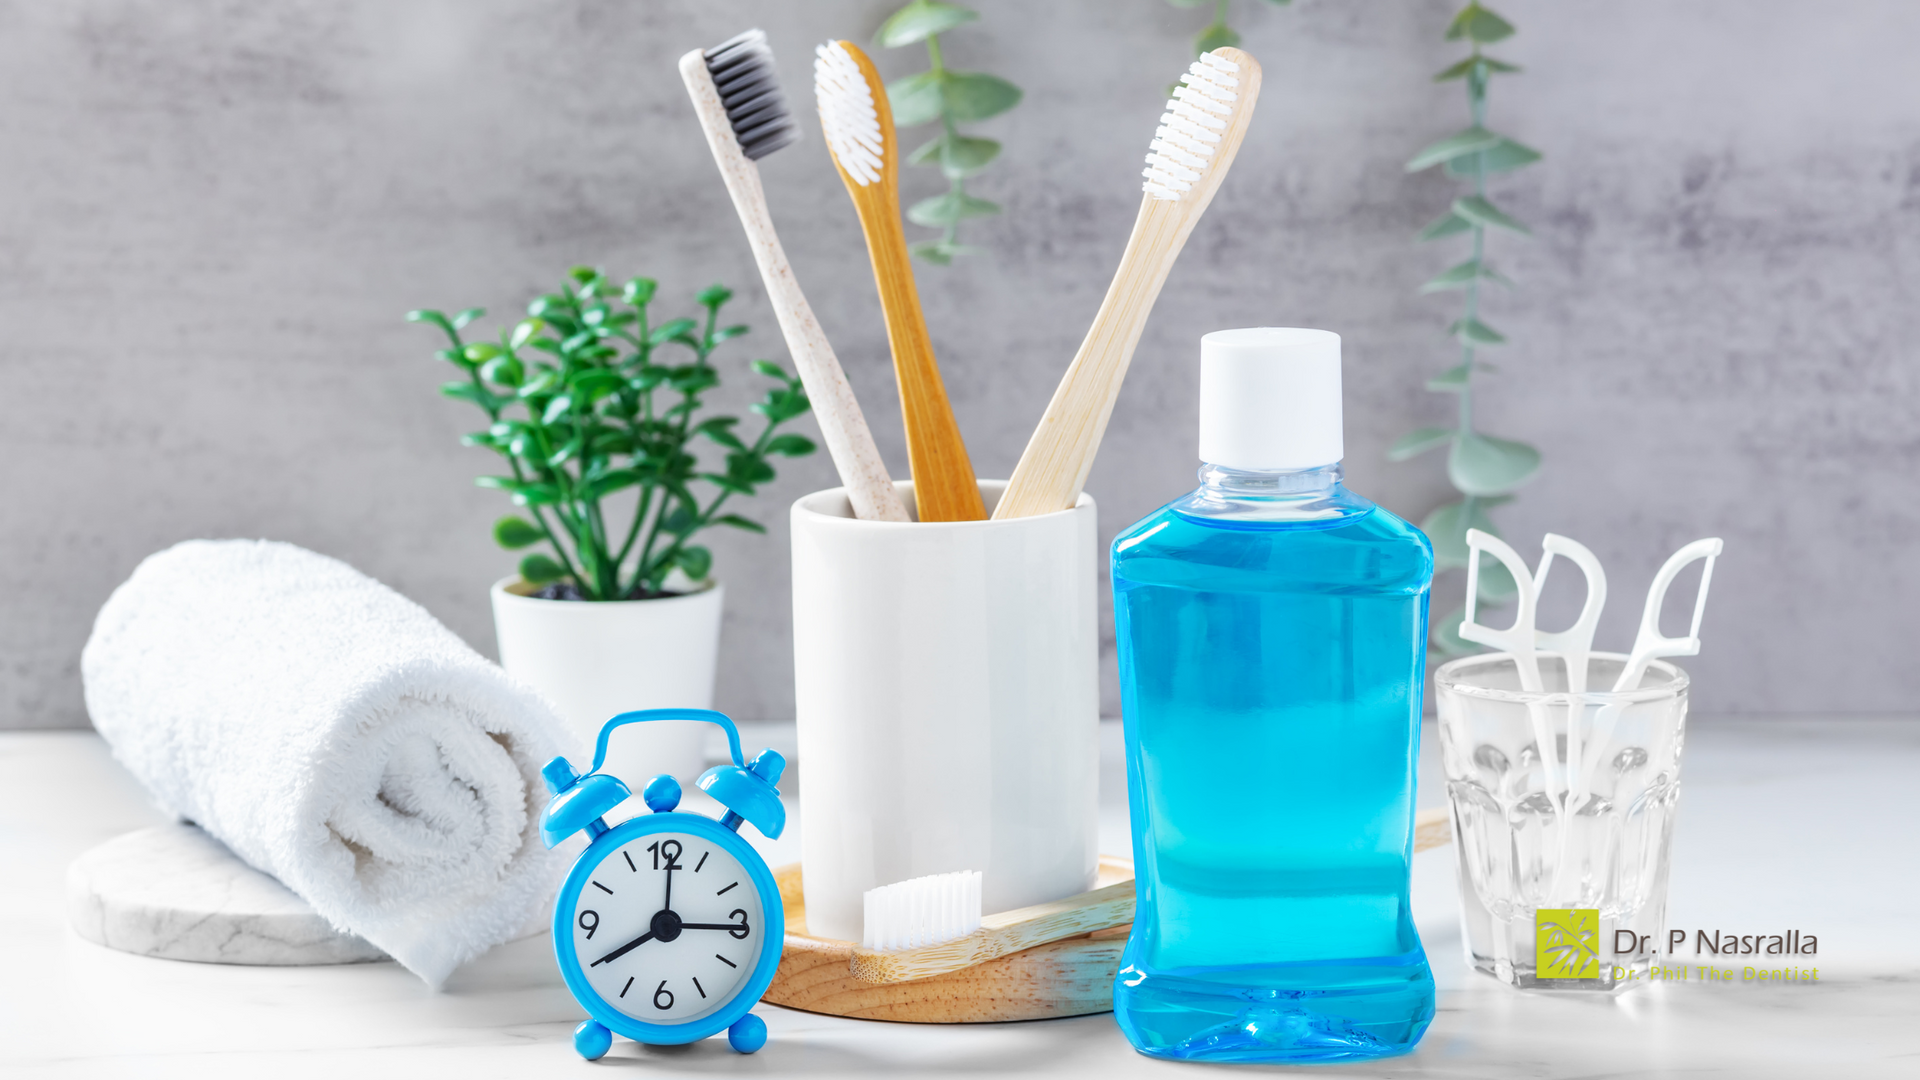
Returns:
(1256, 495)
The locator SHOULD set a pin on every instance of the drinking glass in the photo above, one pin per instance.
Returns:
(1563, 808)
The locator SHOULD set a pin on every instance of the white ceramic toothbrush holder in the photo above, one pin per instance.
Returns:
(946, 677)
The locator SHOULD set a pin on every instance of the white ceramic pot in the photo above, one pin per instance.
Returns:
(946, 678)
(595, 660)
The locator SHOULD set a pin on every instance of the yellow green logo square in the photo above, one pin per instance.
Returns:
(1566, 943)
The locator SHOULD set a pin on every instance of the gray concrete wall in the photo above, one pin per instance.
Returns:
(213, 215)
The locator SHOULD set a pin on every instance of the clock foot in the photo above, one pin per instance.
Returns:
(749, 1033)
(593, 1040)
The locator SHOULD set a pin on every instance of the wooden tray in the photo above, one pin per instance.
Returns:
(1073, 977)
(1064, 978)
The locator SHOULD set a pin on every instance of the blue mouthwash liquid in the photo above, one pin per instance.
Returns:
(1272, 634)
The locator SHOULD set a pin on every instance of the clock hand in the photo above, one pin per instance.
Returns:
(624, 949)
(667, 904)
(713, 926)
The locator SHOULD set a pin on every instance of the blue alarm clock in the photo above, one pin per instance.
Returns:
(669, 927)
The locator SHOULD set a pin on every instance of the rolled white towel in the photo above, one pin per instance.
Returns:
(335, 735)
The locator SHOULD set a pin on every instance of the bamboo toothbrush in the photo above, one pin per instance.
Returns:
(858, 125)
(944, 909)
(737, 96)
(1189, 156)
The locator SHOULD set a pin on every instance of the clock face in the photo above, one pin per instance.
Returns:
(667, 927)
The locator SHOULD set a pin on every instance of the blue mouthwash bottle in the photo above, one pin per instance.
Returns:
(1272, 633)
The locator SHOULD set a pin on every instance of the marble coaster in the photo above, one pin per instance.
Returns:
(172, 891)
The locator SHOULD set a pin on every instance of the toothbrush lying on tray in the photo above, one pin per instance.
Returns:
(737, 96)
(932, 925)
(858, 125)
(1190, 154)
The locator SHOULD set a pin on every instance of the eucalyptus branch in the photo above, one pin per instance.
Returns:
(952, 98)
(1485, 470)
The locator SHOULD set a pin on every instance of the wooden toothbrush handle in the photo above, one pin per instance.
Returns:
(842, 425)
(943, 481)
(1054, 466)
(1057, 459)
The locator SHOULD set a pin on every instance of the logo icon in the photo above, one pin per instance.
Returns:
(1566, 943)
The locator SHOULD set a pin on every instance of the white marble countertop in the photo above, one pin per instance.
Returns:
(1783, 825)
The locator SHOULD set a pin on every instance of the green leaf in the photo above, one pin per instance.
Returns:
(613, 481)
(544, 382)
(938, 252)
(695, 561)
(713, 296)
(1483, 465)
(1471, 331)
(431, 317)
(1505, 156)
(1460, 275)
(770, 369)
(1447, 527)
(780, 406)
(514, 532)
(482, 351)
(748, 468)
(957, 156)
(1217, 36)
(639, 291)
(915, 99)
(1417, 442)
(464, 390)
(972, 95)
(666, 332)
(503, 369)
(791, 446)
(739, 522)
(728, 333)
(1447, 224)
(461, 320)
(1478, 25)
(920, 20)
(1461, 69)
(524, 332)
(566, 452)
(1472, 140)
(1451, 381)
(540, 569)
(536, 495)
(724, 437)
(556, 408)
(1476, 209)
(943, 210)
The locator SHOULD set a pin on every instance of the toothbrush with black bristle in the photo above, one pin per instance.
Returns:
(736, 94)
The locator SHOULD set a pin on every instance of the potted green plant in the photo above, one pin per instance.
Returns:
(597, 412)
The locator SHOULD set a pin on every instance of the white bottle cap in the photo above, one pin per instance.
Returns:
(1270, 398)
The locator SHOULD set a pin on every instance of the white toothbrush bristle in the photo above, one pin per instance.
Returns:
(1191, 129)
(921, 911)
(847, 115)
